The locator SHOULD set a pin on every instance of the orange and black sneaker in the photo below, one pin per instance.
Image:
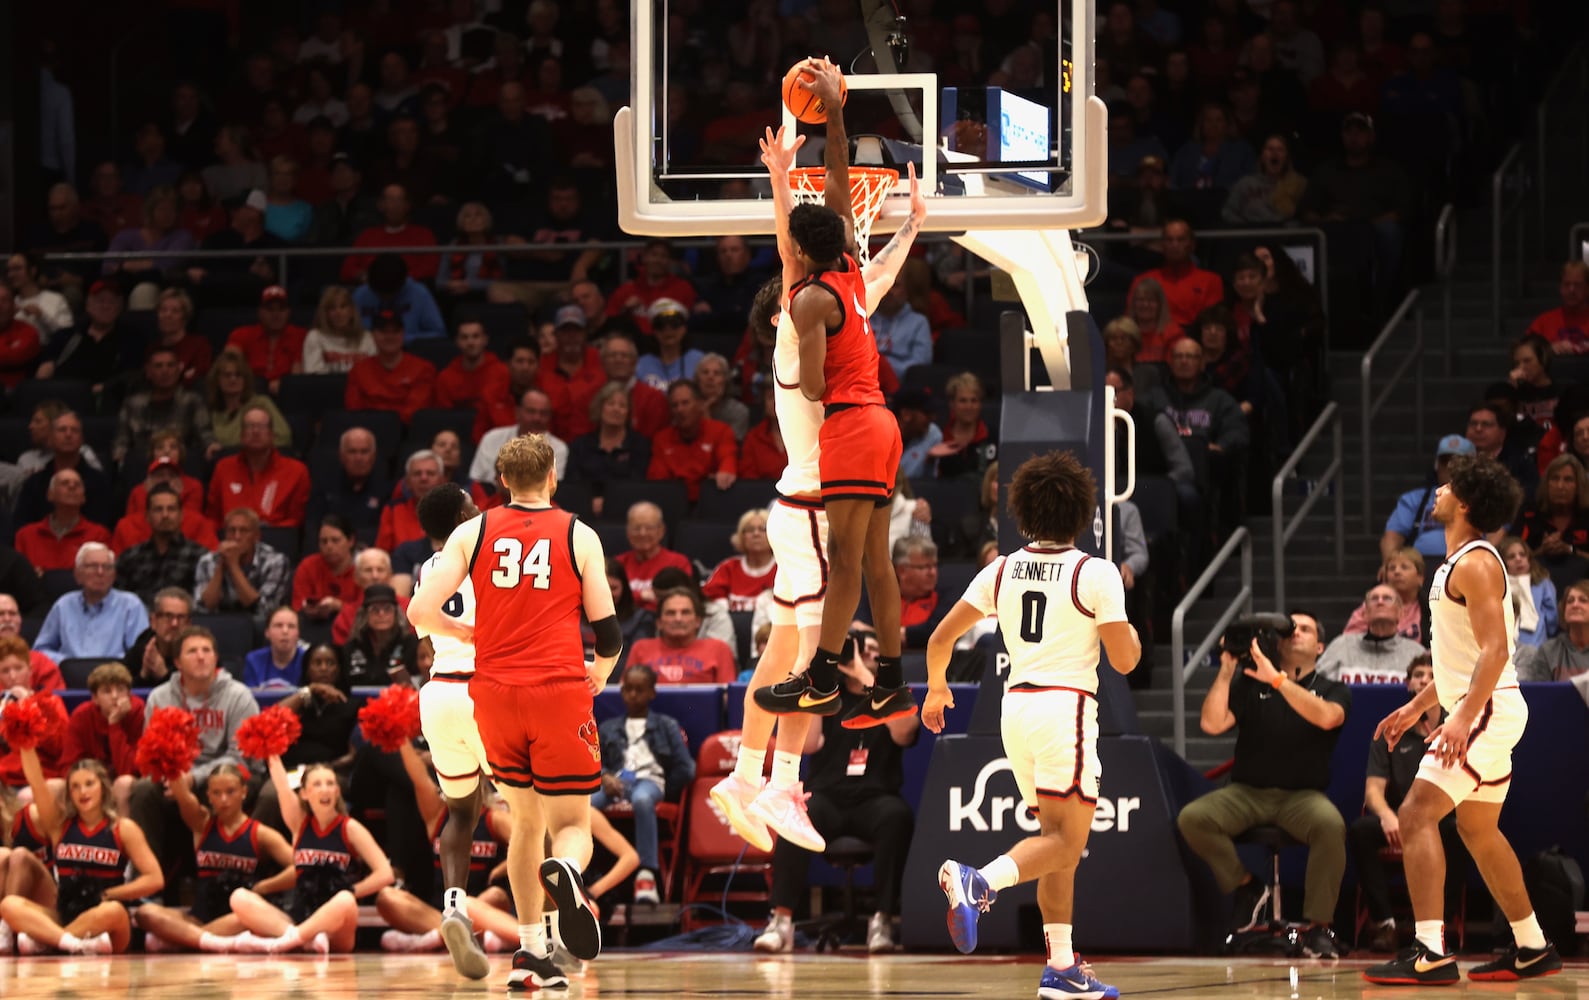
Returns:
(794, 694)
(1518, 963)
(1416, 966)
(878, 706)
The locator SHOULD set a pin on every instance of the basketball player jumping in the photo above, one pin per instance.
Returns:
(797, 528)
(1468, 766)
(1054, 604)
(533, 568)
(859, 439)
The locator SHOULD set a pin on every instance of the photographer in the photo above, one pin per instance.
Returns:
(1289, 721)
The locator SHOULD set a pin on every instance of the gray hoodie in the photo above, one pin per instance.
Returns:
(218, 714)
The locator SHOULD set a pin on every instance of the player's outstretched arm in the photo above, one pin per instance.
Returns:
(441, 581)
(778, 153)
(881, 271)
(599, 610)
(940, 647)
(827, 83)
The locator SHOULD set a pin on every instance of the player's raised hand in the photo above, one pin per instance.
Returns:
(777, 152)
(932, 708)
(918, 201)
(826, 82)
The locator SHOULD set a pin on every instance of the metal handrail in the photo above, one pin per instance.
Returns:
(1372, 405)
(1576, 238)
(1240, 604)
(1498, 214)
(1332, 478)
(1445, 267)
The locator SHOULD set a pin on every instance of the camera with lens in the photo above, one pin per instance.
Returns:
(1267, 629)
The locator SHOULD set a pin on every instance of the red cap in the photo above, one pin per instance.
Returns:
(163, 462)
(275, 293)
(104, 285)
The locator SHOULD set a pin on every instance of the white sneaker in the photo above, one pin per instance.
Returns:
(645, 888)
(784, 811)
(778, 938)
(496, 945)
(27, 946)
(99, 944)
(154, 944)
(402, 942)
(321, 945)
(732, 797)
(880, 933)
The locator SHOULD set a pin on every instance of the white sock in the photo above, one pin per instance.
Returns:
(749, 764)
(1528, 933)
(99, 944)
(215, 942)
(290, 938)
(1001, 873)
(429, 941)
(493, 944)
(69, 943)
(1060, 955)
(785, 769)
(453, 899)
(532, 938)
(1432, 934)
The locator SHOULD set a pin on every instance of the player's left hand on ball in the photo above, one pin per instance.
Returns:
(932, 709)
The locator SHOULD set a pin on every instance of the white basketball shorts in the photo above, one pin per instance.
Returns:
(797, 530)
(446, 716)
(1486, 774)
(1051, 740)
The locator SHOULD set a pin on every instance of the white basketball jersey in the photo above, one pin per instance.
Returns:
(799, 418)
(453, 656)
(1050, 601)
(1455, 650)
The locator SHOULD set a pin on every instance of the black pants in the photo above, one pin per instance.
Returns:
(379, 782)
(885, 821)
(1367, 837)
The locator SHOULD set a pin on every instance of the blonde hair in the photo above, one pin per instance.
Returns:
(964, 381)
(737, 539)
(1411, 555)
(335, 295)
(599, 401)
(1126, 327)
(182, 299)
(525, 462)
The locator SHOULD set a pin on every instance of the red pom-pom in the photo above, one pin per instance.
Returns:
(269, 733)
(169, 745)
(34, 720)
(392, 718)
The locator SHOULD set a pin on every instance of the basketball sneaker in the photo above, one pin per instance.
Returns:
(1074, 983)
(577, 923)
(532, 973)
(783, 810)
(457, 933)
(778, 938)
(879, 706)
(27, 946)
(1415, 966)
(1518, 963)
(645, 888)
(879, 933)
(969, 897)
(732, 798)
(795, 694)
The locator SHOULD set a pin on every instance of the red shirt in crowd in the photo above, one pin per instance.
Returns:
(269, 361)
(421, 267)
(39, 545)
(642, 571)
(712, 450)
(314, 580)
(1190, 290)
(19, 347)
(571, 418)
(486, 388)
(735, 582)
(703, 661)
(648, 408)
(761, 456)
(88, 734)
(399, 524)
(279, 494)
(43, 674)
(636, 296)
(134, 530)
(50, 751)
(404, 390)
(1568, 332)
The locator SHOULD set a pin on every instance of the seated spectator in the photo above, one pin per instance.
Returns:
(279, 663)
(1403, 572)
(97, 620)
(922, 607)
(980, 526)
(614, 451)
(1363, 189)
(66, 454)
(158, 232)
(53, 542)
(637, 623)
(644, 761)
(395, 230)
(1214, 158)
(739, 580)
(1198, 408)
(391, 380)
(468, 273)
(968, 446)
(1530, 374)
(66, 231)
(173, 315)
(388, 287)
(534, 417)
(324, 581)
(168, 555)
(239, 170)
(357, 491)
(349, 211)
(14, 686)
(903, 335)
(648, 405)
(1151, 327)
(41, 429)
(99, 348)
(1567, 655)
(274, 345)
(1412, 522)
(476, 379)
(1378, 655)
(1533, 592)
(198, 211)
(243, 575)
(512, 148)
(43, 674)
(572, 374)
(668, 321)
(726, 294)
(679, 655)
(229, 389)
(153, 656)
(382, 648)
(107, 728)
(1566, 328)
(338, 339)
(400, 519)
(1188, 288)
(693, 446)
(639, 297)
(909, 516)
(1424, 87)
(45, 308)
(1346, 87)
(1556, 526)
(287, 217)
(239, 279)
(260, 478)
(921, 437)
(1229, 364)
(711, 379)
(371, 566)
(763, 455)
(1271, 195)
(323, 708)
(165, 405)
(646, 557)
(448, 447)
(20, 341)
(1492, 427)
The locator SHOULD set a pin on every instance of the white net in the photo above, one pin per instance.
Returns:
(868, 187)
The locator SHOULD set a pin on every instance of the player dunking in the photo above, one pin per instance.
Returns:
(1468, 766)
(534, 567)
(797, 528)
(859, 440)
(1054, 605)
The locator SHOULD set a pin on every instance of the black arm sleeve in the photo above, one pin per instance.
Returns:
(609, 636)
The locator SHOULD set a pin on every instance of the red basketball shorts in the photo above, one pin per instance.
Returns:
(540, 736)
(860, 454)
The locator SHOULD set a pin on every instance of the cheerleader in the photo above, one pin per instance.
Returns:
(91, 847)
(228, 845)
(324, 912)
(25, 860)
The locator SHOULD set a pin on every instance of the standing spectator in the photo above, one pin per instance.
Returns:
(229, 392)
(903, 335)
(711, 380)
(99, 349)
(53, 543)
(644, 530)
(1566, 328)
(324, 581)
(400, 519)
(655, 282)
(1270, 195)
(239, 170)
(166, 404)
(45, 308)
(169, 556)
(694, 446)
(648, 405)
(534, 417)
(153, 655)
(244, 574)
(678, 655)
(106, 728)
(357, 491)
(173, 314)
(1380, 654)
(476, 379)
(270, 485)
(668, 321)
(279, 663)
(388, 287)
(763, 455)
(1412, 522)
(739, 580)
(396, 230)
(383, 648)
(574, 375)
(274, 345)
(1363, 194)
(613, 451)
(968, 445)
(20, 342)
(392, 379)
(1189, 288)
(66, 452)
(338, 339)
(97, 620)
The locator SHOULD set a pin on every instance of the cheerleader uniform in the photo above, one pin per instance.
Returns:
(26, 837)
(483, 856)
(87, 863)
(324, 860)
(224, 864)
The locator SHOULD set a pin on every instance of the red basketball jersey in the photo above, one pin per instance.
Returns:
(850, 368)
(528, 597)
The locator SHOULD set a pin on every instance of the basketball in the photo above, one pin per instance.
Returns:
(802, 103)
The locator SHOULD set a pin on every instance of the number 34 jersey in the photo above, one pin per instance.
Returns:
(453, 656)
(528, 597)
(1050, 600)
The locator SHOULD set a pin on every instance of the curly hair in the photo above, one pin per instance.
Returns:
(819, 232)
(1052, 497)
(767, 304)
(1489, 492)
(441, 510)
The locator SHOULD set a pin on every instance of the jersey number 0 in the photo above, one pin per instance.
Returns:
(513, 565)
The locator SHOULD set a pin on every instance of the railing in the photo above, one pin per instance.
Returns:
(1577, 238)
(1445, 267)
(1508, 191)
(1240, 604)
(1332, 479)
(1372, 404)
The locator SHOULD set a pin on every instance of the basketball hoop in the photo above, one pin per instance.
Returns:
(868, 187)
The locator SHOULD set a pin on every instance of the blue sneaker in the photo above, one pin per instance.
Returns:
(1074, 983)
(969, 897)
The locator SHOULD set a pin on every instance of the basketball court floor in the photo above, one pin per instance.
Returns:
(718, 976)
